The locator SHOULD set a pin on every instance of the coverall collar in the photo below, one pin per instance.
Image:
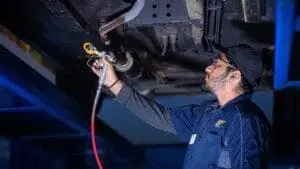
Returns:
(241, 97)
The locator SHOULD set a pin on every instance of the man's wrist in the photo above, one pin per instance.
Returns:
(116, 87)
(112, 84)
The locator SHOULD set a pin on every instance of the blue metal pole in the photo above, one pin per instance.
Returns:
(293, 83)
(285, 12)
(297, 26)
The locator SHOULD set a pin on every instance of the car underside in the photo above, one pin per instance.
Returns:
(162, 47)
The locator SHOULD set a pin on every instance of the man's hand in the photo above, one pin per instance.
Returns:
(111, 79)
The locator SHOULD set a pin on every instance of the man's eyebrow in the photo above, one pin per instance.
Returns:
(220, 58)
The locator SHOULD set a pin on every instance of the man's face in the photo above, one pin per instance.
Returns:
(216, 73)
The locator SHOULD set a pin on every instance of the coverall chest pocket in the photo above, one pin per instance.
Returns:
(211, 137)
(210, 143)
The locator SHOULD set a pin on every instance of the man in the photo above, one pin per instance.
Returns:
(229, 133)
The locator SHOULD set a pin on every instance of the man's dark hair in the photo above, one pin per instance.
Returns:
(245, 85)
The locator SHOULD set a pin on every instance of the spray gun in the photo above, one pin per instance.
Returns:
(95, 54)
(123, 63)
(92, 50)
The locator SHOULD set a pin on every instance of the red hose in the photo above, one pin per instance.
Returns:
(93, 138)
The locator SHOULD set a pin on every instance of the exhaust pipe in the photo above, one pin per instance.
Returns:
(124, 18)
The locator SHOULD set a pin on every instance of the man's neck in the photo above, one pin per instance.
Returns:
(225, 96)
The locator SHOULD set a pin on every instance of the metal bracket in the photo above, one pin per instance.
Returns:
(161, 12)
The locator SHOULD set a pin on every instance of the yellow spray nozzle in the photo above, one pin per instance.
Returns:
(89, 48)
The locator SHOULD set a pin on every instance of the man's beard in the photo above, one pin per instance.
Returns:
(215, 83)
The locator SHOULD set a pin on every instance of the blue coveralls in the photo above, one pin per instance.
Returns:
(232, 136)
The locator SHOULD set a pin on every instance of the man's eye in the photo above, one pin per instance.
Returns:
(215, 62)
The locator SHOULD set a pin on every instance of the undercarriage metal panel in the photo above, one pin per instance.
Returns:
(161, 12)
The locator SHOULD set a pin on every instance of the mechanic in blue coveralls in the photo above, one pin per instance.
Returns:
(231, 132)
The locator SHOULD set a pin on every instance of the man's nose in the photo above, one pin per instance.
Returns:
(209, 68)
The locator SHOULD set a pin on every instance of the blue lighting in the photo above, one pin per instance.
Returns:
(285, 26)
(19, 78)
(297, 27)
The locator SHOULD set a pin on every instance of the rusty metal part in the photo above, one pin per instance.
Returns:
(173, 39)
(195, 10)
(124, 18)
(142, 38)
(165, 45)
(129, 67)
(214, 18)
(162, 12)
(154, 84)
(125, 65)
(181, 75)
(111, 26)
(171, 71)
(251, 10)
(177, 90)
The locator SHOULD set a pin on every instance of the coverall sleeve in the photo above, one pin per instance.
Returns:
(174, 120)
(246, 138)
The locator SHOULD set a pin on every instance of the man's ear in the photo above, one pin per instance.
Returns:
(235, 75)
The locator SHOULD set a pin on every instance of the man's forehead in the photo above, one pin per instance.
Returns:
(224, 58)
